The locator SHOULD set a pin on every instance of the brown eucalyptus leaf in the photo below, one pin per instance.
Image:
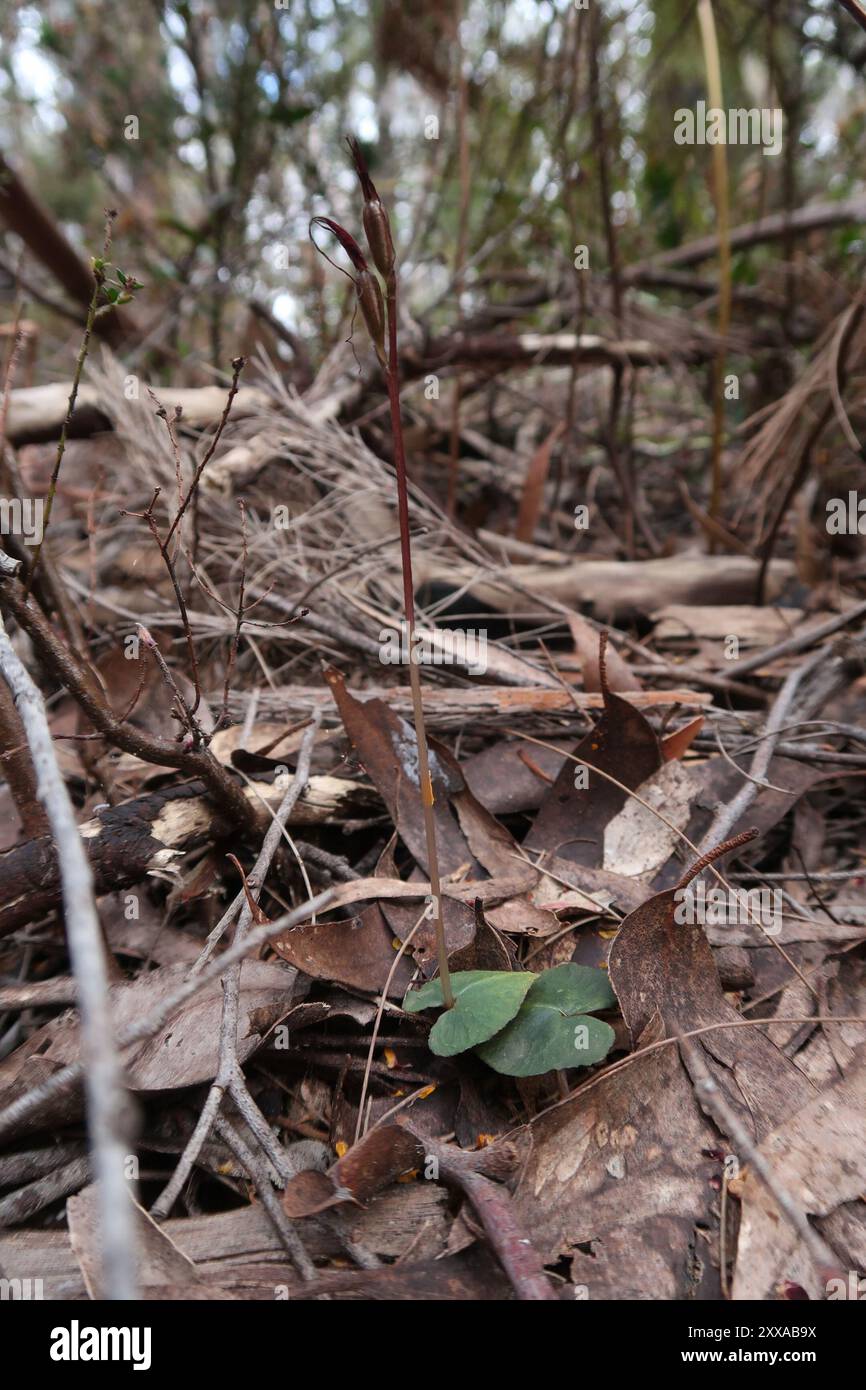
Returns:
(571, 820)
(383, 1155)
(663, 968)
(357, 952)
(818, 1156)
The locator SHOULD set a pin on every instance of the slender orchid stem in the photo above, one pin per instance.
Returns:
(425, 783)
(377, 228)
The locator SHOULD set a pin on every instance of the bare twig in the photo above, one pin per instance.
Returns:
(93, 308)
(229, 1076)
(224, 719)
(802, 639)
(63, 666)
(713, 1102)
(107, 1104)
(238, 365)
(728, 816)
(492, 1204)
(287, 1233)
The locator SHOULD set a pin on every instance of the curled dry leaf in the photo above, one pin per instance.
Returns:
(385, 1154)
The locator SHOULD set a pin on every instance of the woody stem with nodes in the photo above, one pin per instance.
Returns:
(378, 232)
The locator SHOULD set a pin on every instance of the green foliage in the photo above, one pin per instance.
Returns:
(289, 115)
(484, 1001)
(119, 290)
(522, 1024)
(551, 1030)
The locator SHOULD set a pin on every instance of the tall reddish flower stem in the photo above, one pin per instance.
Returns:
(426, 786)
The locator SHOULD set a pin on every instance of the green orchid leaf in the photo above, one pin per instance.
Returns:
(484, 1002)
(574, 989)
(551, 1031)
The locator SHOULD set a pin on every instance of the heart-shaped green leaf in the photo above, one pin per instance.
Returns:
(574, 989)
(484, 1001)
(551, 1031)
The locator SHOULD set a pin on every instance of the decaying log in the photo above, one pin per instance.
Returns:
(453, 707)
(553, 349)
(36, 413)
(126, 843)
(614, 588)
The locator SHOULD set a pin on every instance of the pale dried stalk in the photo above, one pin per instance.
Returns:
(108, 1109)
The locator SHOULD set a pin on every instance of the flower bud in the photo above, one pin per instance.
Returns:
(378, 229)
(346, 240)
(367, 287)
(372, 305)
(377, 224)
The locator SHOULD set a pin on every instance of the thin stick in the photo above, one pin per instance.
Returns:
(766, 655)
(720, 192)
(224, 719)
(723, 1235)
(92, 311)
(378, 1022)
(229, 1075)
(856, 11)
(288, 1235)
(238, 365)
(108, 1107)
(728, 816)
(716, 1106)
(492, 1204)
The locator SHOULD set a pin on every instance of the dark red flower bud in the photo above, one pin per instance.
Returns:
(368, 188)
(372, 305)
(377, 225)
(346, 240)
(367, 287)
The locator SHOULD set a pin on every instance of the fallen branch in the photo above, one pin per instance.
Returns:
(727, 818)
(149, 834)
(492, 1204)
(551, 349)
(454, 707)
(36, 413)
(774, 227)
